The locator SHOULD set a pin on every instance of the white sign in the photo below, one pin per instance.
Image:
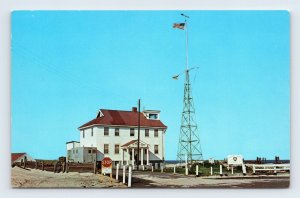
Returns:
(235, 160)
(211, 160)
(106, 170)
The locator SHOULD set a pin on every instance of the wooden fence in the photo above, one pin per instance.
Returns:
(57, 166)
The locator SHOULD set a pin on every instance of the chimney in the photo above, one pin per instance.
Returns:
(134, 109)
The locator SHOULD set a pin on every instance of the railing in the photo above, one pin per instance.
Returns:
(269, 167)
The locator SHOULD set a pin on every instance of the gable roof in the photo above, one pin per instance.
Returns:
(128, 143)
(15, 156)
(132, 142)
(123, 118)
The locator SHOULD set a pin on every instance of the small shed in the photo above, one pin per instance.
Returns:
(21, 157)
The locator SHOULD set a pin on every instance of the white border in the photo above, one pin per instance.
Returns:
(8, 5)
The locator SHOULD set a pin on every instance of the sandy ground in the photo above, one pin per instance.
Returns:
(169, 180)
(31, 178)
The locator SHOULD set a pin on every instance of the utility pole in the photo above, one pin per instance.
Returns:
(139, 123)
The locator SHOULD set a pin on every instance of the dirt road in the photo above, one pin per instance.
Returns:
(170, 180)
(32, 178)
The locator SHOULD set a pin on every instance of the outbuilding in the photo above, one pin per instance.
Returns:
(21, 157)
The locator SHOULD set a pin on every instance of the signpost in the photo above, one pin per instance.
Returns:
(107, 166)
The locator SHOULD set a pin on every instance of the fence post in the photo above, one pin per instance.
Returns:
(95, 167)
(67, 167)
(244, 169)
(186, 166)
(221, 172)
(174, 169)
(253, 168)
(231, 170)
(211, 170)
(197, 171)
(129, 175)
(42, 165)
(24, 164)
(152, 168)
(63, 167)
(36, 164)
(117, 172)
(161, 168)
(54, 168)
(124, 174)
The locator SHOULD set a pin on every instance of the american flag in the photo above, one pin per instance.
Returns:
(179, 25)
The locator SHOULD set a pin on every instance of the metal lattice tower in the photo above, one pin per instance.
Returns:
(189, 146)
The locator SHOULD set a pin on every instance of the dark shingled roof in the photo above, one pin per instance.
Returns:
(123, 118)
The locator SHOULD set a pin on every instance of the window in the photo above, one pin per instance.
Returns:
(106, 148)
(106, 130)
(117, 132)
(117, 149)
(156, 149)
(146, 132)
(83, 134)
(92, 132)
(131, 131)
(76, 151)
(155, 132)
(153, 116)
(90, 151)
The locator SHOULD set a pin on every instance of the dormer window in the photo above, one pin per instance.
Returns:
(153, 116)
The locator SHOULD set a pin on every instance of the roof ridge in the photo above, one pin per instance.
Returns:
(123, 118)
(119, 110)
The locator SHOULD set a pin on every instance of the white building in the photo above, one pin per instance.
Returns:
(114, 133)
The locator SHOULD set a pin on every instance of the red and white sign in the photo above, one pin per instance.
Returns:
(106, 165)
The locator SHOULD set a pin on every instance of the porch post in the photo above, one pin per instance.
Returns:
(148, 156)
(128, 156)
(142, 156)
(133, 156)
(122, 157)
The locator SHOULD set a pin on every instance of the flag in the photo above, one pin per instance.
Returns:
(179, 25)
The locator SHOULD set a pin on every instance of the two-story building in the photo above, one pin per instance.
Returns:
(114, 134)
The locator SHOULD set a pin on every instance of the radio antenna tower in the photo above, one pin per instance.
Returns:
(189, 146)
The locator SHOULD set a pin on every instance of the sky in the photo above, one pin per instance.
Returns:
(66, 65)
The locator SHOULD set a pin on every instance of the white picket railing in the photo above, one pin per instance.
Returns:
(269, 167)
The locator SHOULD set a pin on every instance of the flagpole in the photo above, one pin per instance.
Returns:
(187, 44)
(186, 40)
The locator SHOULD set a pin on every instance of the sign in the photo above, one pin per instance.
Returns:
(235, 160)
(106, 165)
(211, 160)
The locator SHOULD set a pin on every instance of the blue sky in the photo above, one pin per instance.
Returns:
(68, 64)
